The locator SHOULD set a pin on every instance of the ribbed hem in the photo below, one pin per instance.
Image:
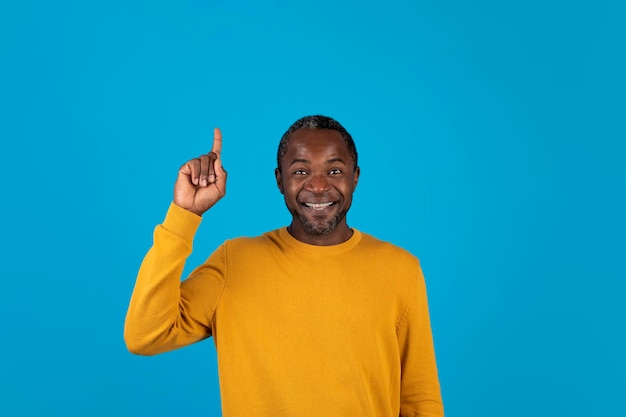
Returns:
(181, 222)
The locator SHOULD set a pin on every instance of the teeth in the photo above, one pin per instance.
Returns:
(318, 206)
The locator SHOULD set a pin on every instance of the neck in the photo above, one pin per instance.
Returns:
(341, 234)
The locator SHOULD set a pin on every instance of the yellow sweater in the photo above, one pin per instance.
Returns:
(300, 330)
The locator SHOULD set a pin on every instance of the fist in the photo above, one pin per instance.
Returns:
(201, 181)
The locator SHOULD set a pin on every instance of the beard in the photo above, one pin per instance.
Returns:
(321, 225)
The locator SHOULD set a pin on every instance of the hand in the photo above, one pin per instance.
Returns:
(201, 181)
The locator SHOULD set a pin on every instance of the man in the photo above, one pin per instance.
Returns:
(315, 319)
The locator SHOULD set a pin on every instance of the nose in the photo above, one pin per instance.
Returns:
(317, 183)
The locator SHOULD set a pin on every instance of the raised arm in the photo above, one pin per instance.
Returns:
(163, 313)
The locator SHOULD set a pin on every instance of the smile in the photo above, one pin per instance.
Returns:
(319, 206)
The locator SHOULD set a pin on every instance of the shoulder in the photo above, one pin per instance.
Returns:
(265, 241)
(398, 264)
(398, 268)
(389, 250)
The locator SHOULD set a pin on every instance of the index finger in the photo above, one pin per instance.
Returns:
(217, 141)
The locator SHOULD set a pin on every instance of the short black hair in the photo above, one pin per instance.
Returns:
(316, 122)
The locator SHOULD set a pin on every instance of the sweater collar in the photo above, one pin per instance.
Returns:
(292, 242)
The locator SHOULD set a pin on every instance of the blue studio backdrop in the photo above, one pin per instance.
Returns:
(492, 144)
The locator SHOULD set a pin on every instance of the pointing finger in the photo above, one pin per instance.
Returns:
(217, 141)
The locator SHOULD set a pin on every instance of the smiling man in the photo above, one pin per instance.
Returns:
(317, 173)
(315, 319)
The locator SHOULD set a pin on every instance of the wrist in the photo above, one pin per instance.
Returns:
(181, 221)
(188, 209)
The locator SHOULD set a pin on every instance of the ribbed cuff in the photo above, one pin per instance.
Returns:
(181, 222)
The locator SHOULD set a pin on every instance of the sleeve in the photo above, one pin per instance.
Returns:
(165, 314)
(420, 394)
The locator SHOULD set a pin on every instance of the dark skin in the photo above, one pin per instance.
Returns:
(201, 181)
(317, 178)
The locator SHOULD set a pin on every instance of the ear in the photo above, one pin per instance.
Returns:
(357, 172)
(279, 180)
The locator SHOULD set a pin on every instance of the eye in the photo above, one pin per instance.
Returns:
(299, 172)
(335, 171)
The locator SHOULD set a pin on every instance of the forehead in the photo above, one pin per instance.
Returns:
(323, 142)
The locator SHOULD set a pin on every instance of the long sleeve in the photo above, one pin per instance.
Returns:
(420, 391)
(165, 314)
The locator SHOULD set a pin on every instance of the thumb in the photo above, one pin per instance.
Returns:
(219, 168)
(220, 177)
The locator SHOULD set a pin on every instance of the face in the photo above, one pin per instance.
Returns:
(317, 178)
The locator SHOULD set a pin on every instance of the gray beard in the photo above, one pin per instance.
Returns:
(321, 228)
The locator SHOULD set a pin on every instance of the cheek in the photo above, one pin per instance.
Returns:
(292, 187)
(348, 187)
(291, 192)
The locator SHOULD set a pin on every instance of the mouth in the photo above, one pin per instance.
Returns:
(319, 206)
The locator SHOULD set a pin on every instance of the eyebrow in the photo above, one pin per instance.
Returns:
(306, 161)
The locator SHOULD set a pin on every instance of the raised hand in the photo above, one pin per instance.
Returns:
(201, 181)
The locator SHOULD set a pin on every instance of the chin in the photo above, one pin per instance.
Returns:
(319, 228)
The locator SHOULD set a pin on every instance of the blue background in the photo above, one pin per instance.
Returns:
(491, 137)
